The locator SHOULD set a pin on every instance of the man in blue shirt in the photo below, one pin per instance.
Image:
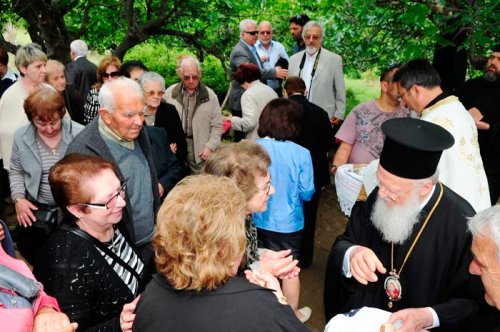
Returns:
(270, 52)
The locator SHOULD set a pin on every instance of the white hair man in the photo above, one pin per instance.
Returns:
(485, 229)
(407, 249)
(80, 72)
(118, 136)
(199, 110)
(245, 51)
(322, 72)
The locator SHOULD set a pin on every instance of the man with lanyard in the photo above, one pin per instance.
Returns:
(322, 72)
(245, 51)
(271, 53)
(407, 249)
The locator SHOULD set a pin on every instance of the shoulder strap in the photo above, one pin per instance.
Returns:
(101, 246)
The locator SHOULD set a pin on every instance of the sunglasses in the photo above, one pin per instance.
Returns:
(253, 33)
(154, 93)
(265, 33)
(113, 74)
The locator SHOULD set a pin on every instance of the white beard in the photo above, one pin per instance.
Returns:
(395, 223)
(311, 50)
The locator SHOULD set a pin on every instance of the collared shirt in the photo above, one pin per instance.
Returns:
(275, 51)
(254, 52)
(307, 71)
(188, 109)
(108, 133)
(10, 75)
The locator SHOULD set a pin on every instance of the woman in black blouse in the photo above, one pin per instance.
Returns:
(89, 264)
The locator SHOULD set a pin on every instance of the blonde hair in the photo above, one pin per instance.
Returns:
(200, 232)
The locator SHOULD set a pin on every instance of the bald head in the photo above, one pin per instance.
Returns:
(265, 33)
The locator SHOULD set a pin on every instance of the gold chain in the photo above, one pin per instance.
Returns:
(418, 235)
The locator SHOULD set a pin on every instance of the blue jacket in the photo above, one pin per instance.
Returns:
(292, 177)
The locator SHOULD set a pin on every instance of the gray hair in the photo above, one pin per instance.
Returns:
(110, 89)
(186, 59)
(487, 223)
(53, 63)
(243, 24)
(315, 24)
(151, 76)
(28, 54)
(79, 47)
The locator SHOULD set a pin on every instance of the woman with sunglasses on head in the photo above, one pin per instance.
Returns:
(89, 264)
(37, 147)
(109, 68)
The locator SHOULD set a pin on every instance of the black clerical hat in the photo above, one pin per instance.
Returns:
(412, 147)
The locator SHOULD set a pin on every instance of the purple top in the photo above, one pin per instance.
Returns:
(362, 130)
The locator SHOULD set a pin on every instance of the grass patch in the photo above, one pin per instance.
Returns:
(360, 90)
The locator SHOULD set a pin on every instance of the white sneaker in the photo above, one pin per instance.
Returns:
(305, 314)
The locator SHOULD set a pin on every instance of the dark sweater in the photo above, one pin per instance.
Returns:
(87, 288)
(237, 305)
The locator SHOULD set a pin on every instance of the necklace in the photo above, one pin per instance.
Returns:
(392, 285)
(54, 148)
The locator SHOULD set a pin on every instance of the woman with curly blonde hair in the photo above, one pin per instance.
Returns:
(199, 244)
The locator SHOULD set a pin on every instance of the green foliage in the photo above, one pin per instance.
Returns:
(163, 60)
(360, 90)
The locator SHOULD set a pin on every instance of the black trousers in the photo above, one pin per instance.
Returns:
(238, 135)
(310, 215)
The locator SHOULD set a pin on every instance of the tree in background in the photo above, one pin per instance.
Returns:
(367, 33)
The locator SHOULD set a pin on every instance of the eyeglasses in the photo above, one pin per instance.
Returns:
(154, 93)
(253, 33)
(190, 77)
(265, 33)
(112, 201)
(400, 97)
(392, 198)
(313, 37)
(267, 187)
(113, 74)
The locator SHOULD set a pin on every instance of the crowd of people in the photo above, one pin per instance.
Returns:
(135, 216)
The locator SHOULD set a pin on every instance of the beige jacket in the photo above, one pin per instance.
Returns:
(207, 118)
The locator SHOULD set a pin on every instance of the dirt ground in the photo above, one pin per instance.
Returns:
(330, 223)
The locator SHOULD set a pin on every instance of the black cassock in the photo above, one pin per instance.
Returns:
(435, 274)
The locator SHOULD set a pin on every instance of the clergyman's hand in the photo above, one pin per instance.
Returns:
(364, 263)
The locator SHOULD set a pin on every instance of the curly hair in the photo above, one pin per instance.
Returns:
(242, 162)
(200, 232)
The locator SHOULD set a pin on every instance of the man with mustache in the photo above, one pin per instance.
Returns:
(322, 72)
(407, 249)
(481, 96)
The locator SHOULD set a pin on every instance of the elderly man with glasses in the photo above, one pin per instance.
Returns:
(199, 111)
(271, 53)
(245, 51)
(407, 249)
(118, 135)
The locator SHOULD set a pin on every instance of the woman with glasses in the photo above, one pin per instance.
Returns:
(108, 69)
(247, 163)
(159, 113)
(37, 147)
(280, 226)
(89, 263)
